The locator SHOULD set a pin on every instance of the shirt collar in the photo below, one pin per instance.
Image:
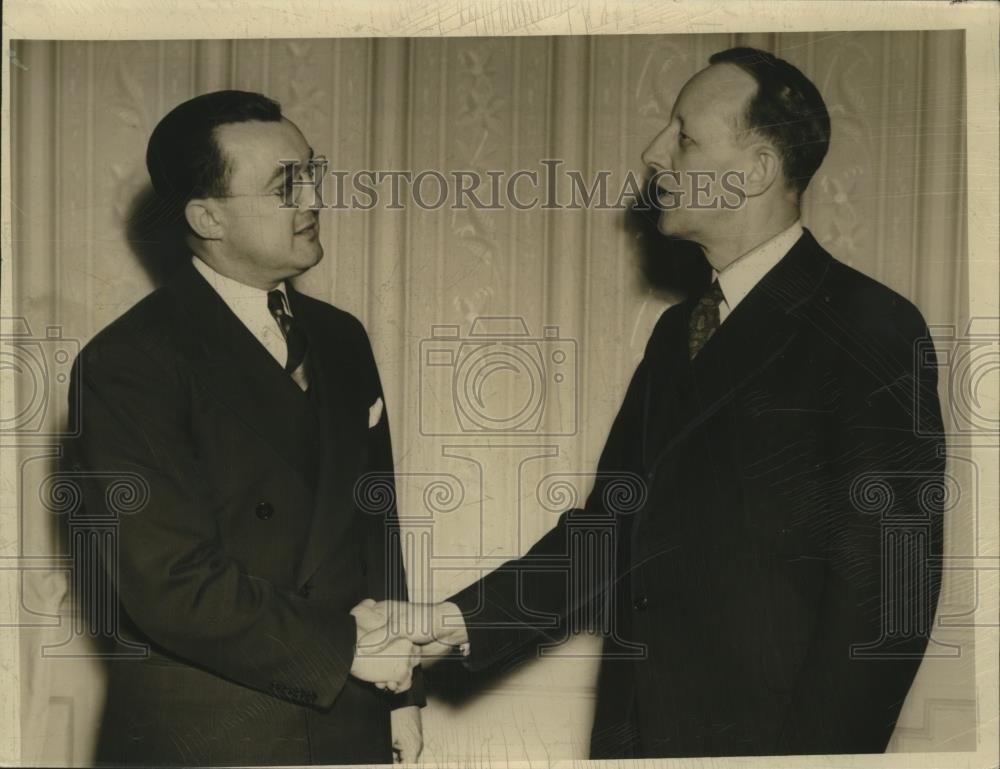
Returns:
(235, 294)
(737, 279)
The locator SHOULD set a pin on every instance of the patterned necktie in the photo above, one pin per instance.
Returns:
(704, 318)
(295, 338)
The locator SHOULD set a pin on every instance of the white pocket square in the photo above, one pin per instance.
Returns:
(375, 413)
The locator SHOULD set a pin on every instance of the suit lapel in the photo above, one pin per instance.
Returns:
(754, 335)
(240, 372)
(668, 374)
(343, 425)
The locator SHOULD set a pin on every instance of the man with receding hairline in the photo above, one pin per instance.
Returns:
(251, 411)
(775, 574)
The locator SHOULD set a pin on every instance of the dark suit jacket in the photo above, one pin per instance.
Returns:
(269, 516)
(775, 522)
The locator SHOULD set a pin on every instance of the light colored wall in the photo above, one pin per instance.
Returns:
(888, 200)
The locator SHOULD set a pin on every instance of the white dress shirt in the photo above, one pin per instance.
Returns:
(738, 278)
(249, 304)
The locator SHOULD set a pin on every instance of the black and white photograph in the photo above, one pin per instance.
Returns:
(477, 383)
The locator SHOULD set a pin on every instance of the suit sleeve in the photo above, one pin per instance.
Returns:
(172, 575)
(883, 579)
(534, 597)
(382, 465)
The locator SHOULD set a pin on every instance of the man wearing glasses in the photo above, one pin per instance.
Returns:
(250, 411)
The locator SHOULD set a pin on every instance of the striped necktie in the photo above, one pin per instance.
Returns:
(704, 318)
(295, 338)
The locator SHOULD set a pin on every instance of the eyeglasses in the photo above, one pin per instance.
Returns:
(289, 192)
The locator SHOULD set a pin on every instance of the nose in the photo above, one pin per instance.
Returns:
(308, 186)
(305, 218)
(657, 154)
(307, 193)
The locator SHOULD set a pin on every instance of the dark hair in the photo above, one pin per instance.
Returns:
(787, 109)
(183, 157)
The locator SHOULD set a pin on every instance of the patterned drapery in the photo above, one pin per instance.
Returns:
(889, 200)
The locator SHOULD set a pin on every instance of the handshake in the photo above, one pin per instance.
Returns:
(393, 636)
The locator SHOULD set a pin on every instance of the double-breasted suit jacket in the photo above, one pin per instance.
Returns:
(269, 514)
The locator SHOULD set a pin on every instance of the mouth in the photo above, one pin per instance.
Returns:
(659, 193)
(308, 231)
(665, 197)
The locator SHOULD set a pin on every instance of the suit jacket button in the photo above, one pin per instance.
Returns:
(641, 603)
(264, 510)
(305, 590)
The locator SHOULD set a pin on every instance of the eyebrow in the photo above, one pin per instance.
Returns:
(281, 169)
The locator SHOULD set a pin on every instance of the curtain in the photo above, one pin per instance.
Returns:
(578, 287)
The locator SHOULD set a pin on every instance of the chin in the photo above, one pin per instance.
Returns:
(310, 256)
(318, 256)
(666, 227)
(672, 226)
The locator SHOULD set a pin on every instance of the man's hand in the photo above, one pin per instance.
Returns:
(368, 615)
(407, 735)
(384, 660)
(433, 652)
(425, 624)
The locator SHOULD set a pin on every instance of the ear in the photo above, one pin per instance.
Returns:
(203, 217)
(764, 171)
